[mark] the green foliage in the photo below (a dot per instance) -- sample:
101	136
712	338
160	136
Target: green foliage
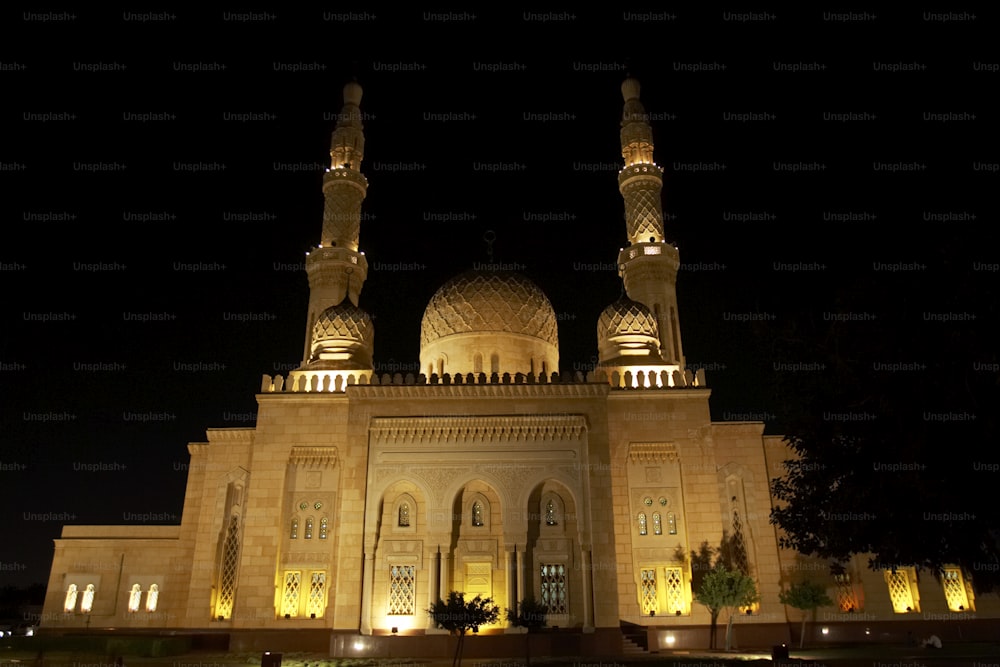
456	614
722	588
529	614
726	589
805	595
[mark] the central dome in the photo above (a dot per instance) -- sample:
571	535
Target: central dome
485	321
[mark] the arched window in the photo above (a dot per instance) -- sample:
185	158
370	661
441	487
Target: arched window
440	366
403	520
477	363
293	532
87	602
642	523
134	597
309	528
550	513
671	524
494	363
477	514
70	603
152	596
657	524
324	526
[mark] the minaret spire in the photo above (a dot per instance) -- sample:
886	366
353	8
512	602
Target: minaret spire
648	266
336	268
641	180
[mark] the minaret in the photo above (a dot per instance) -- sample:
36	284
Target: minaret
335	268
648	266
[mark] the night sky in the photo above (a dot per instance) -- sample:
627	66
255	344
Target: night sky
161	178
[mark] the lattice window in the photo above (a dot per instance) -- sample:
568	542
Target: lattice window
647	591
550	513
899	591
740	556
317	595
657	524
553	588
293	533
290	594
228	569
846	599
87	601
70	603
403	520
674	585
954	589
134	598
477	514
324	528
642	523
309	528
402	594
152	597
671	524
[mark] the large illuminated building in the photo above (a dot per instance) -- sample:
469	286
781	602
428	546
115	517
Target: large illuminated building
358	498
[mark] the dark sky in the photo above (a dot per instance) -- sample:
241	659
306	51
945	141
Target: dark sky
144	300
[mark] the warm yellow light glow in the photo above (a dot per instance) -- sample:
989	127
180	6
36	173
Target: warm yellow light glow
87	602
70	603
825	631
152	596
671	640
134	596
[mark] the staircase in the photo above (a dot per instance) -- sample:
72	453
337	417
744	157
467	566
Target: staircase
634	639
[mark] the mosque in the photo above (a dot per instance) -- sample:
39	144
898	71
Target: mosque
358	499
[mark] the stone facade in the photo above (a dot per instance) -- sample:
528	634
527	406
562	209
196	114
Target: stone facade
357	500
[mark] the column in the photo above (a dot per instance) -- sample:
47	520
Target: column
367	584
445	579
588	591
432	584
510	570
519	566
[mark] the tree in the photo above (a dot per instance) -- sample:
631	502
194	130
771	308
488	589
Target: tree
458	615
807	596
722	588
529	614
888	420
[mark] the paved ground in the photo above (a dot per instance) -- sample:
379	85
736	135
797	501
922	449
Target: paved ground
954	655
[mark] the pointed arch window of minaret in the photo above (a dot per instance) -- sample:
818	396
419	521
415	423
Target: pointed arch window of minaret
671	523
152	597
404	515
642	523
740	555
309	528
324	527
657	524
70	603
494	363
228	568
440	369
550	513
293	532
477	513
134	596
87	602
675	334
477	363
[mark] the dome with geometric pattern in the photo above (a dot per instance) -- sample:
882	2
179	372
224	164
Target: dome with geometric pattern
489	301
482	315
627	328
343	337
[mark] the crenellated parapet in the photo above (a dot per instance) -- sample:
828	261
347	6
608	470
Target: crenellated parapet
625	379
